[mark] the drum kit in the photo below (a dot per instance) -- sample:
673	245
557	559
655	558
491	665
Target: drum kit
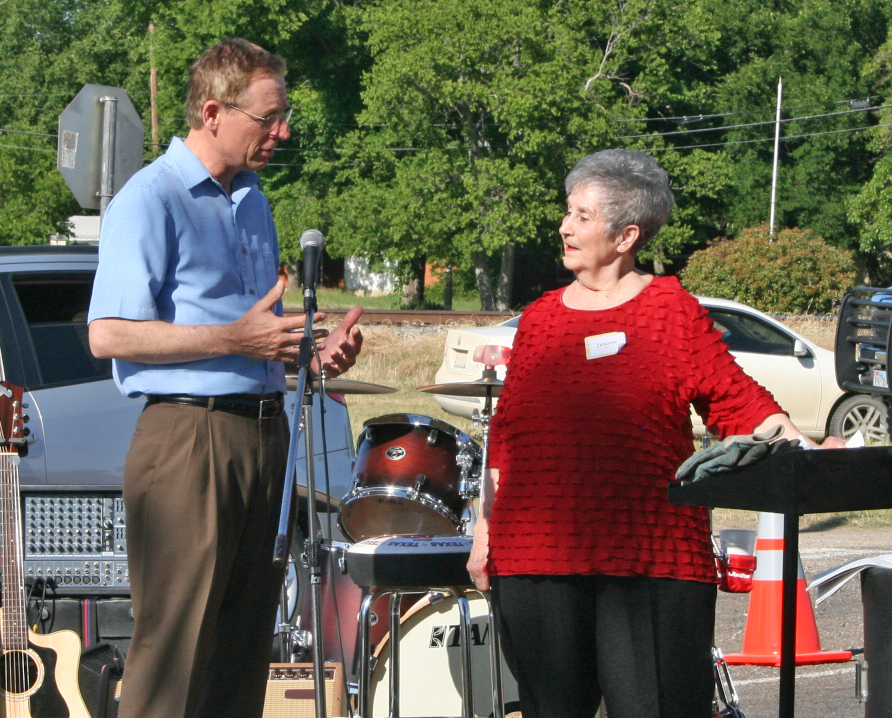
418	475
415	474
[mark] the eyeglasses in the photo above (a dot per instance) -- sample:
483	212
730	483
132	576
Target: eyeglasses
271	121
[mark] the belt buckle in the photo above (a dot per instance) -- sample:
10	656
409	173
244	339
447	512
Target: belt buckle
275	406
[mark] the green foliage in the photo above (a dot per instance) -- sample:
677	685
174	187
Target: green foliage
441	131
797	273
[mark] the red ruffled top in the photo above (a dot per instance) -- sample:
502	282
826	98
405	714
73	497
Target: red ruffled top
586	448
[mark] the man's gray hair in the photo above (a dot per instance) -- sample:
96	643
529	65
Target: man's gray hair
631	188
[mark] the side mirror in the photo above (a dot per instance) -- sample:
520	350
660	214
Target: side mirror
800	349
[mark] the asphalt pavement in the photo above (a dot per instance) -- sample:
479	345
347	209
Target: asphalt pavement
825	690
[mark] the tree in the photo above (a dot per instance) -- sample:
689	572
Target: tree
797	272
47	52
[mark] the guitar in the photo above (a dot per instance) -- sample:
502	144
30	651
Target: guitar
40	672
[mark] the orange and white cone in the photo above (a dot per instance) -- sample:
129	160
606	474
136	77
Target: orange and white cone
762	635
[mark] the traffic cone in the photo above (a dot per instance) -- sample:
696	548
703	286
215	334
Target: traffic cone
762	635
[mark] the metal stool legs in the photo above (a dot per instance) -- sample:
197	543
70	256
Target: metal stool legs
465	637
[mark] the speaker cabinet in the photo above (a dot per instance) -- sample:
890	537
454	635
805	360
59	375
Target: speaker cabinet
290	691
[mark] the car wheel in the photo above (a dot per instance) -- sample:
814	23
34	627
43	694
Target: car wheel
862	412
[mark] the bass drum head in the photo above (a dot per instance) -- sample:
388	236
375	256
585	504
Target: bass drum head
430	662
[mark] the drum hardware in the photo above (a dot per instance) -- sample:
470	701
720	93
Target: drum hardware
726	703
420	481
468	486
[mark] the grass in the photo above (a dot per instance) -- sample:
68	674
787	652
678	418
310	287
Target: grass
402	357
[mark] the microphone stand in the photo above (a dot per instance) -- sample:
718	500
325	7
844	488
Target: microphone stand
280	552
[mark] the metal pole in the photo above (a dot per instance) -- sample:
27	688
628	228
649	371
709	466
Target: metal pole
313	558
107	179
153	89
777	129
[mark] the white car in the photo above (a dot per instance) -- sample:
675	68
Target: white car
800	374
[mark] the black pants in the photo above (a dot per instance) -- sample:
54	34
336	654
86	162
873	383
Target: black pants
643	644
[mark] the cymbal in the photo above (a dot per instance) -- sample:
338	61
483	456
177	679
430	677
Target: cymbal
343	386
480	387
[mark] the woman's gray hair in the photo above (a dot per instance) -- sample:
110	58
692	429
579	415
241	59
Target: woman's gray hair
632	188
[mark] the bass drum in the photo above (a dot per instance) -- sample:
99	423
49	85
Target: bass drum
406	478
430	663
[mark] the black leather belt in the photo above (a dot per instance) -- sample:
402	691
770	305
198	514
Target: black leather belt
254	406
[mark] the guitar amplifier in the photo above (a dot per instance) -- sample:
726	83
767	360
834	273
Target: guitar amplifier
290	691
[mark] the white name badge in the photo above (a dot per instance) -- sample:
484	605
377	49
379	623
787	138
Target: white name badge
604	345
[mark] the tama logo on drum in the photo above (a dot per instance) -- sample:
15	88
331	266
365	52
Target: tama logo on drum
450	636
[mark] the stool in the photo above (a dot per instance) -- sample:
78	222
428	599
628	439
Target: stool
398	565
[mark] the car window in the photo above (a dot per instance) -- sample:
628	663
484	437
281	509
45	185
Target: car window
55	308
746	333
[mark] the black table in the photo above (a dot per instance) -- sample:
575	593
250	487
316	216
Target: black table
793	484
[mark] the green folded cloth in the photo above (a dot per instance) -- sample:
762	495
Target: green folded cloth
735	452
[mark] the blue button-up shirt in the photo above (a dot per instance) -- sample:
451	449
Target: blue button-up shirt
175	246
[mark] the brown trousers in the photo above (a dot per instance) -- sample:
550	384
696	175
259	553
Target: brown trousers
202	491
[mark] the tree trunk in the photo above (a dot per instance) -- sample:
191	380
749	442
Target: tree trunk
484	283
447	289
659	266
506	278
414	288
295	281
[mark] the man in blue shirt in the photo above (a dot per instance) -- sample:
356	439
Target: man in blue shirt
187	302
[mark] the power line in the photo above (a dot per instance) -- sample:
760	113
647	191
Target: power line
23	132
752	124
19	147
766	139
743	113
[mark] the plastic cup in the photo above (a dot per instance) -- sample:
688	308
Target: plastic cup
738	541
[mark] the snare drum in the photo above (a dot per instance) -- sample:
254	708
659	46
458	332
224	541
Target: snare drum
407	478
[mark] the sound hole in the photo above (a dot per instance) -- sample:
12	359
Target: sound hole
20	672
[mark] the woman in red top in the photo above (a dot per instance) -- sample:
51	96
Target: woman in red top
604	588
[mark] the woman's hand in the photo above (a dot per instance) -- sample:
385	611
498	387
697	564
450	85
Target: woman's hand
479	555
833	442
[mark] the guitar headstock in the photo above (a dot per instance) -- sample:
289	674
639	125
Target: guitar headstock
12	420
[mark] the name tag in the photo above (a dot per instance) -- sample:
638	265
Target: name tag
604	345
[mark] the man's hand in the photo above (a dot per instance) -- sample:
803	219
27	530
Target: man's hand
260	334
342	345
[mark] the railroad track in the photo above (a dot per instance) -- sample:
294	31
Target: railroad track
424	317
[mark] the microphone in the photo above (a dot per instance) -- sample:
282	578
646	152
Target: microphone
311	242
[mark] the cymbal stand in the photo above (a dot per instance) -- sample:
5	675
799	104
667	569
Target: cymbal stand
484	418
467	487
303	425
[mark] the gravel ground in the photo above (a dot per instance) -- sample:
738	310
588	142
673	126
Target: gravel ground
826	690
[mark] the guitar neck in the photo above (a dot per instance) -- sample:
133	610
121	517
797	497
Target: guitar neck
15	625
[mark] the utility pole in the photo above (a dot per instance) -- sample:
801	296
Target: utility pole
777	129
153	89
